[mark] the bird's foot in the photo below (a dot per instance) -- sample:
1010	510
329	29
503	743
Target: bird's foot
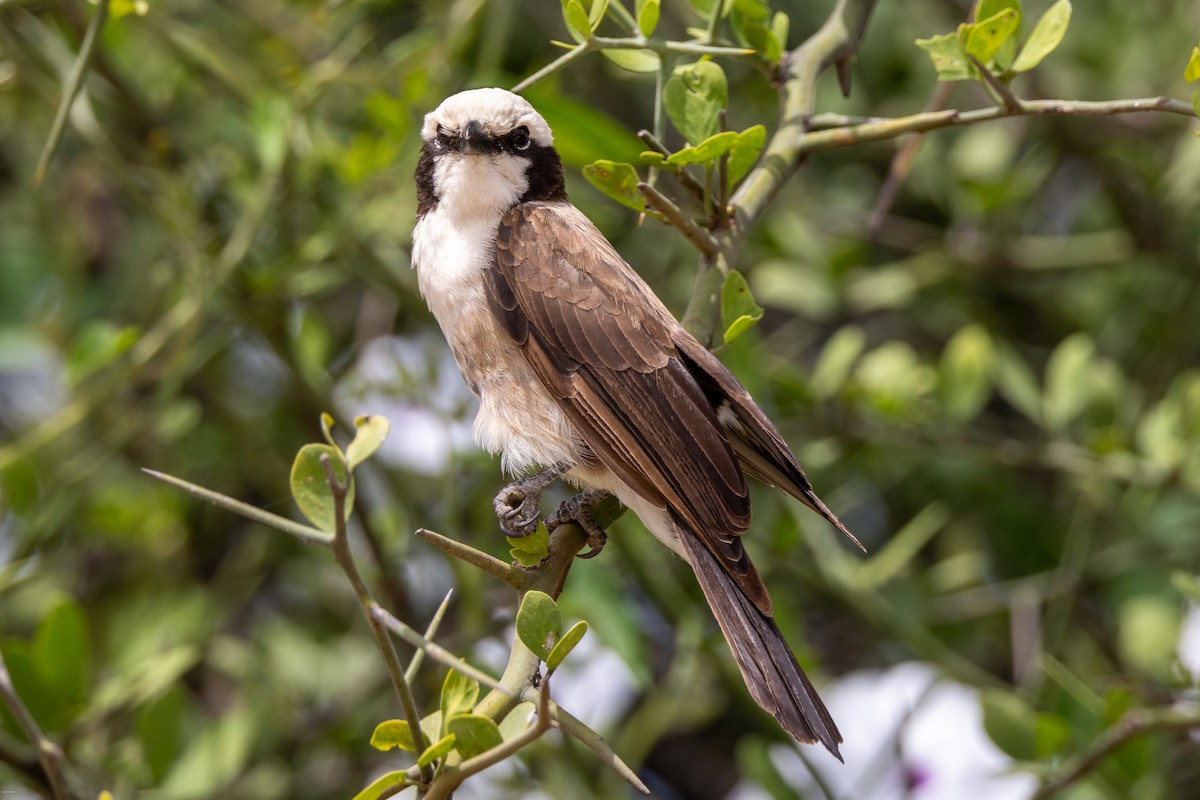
578	509
516	505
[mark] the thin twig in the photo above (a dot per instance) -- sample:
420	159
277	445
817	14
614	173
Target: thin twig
511	575
686	179
49	754
703	241
305	533
997	88
345	559
424	644
1133	724
71	89
831	139
414	663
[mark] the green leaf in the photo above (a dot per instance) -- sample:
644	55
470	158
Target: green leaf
566	644
1068	386
459	694
97	345
1046	37
396	779
213	758
964	375
596	13
393	733
531	550
780	24
761	39
617	180
1017	383
647	12
517	720
372	431
1009	721
310	487
1148	633
947	56
61	651
1051	733
159	726
989	8
986	37
577	20
439	749
739	312
474	734
539	623
706	152
837	359
327	430
744	152
1192	71
693	96
639	61
653	158
41	700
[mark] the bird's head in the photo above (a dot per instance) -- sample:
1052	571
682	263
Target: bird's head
484	151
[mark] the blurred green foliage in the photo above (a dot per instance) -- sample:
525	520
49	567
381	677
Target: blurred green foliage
997	389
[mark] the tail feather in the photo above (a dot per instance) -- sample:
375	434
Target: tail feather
774	678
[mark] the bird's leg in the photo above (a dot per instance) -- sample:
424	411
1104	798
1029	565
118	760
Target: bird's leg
578	509
517	504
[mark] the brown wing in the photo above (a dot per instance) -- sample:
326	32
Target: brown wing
604	346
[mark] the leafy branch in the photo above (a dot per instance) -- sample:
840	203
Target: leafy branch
464	737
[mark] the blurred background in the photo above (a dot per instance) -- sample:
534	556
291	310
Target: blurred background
993	382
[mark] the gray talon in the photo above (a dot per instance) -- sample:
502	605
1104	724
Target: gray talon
578	509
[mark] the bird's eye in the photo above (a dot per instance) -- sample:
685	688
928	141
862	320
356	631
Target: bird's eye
520	138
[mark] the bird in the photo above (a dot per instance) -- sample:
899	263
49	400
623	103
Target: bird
582	373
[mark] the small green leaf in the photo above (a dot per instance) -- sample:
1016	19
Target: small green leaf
990	8
310	487
1051	733
159	729
372	431
439	749
745	152
739	312
986	37
1068	384
327	430
617	180
947	56
639	61
60	651
964	375
566	644
779	26
474	734
577	20
531	550
517	721
392	733
647	16
693	96
596	13
396	779
1009	721
656	159
459	694
837	359
539	623
1046	37
1192	72
762	40
706	152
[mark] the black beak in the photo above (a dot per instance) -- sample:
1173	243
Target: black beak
474	141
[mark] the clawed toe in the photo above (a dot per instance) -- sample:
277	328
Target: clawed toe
578	509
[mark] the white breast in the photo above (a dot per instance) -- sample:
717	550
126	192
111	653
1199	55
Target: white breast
517	418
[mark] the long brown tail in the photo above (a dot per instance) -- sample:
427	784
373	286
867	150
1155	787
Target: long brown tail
774	678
